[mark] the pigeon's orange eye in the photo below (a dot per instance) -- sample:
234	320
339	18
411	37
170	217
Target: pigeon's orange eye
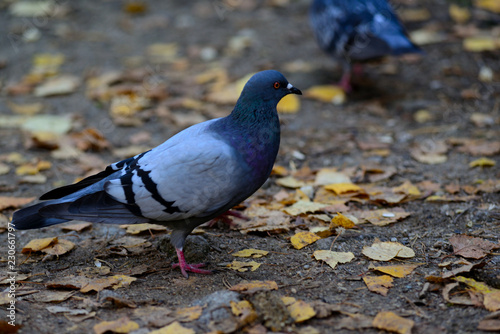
276	85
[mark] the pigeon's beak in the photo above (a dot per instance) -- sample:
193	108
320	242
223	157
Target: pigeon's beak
293	90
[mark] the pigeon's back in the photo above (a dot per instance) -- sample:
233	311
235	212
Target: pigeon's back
358	29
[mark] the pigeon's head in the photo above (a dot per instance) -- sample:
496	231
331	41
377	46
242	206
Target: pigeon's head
268	88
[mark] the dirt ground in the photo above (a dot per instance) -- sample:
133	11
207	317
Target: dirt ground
100	36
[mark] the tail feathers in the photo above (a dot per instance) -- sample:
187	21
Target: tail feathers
97	208
30	218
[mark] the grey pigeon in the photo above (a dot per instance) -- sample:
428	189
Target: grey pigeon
357	30
194	176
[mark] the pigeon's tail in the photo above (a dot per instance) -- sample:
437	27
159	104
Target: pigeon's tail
30	218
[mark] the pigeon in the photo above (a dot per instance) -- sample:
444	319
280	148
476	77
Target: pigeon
358	30
193	177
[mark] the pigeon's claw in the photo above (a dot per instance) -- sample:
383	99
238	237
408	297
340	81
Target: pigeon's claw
185	267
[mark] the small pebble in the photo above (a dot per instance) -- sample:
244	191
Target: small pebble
394	239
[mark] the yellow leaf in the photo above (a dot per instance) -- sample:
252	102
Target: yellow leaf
385	251
254	286
174	328
299	309
459	14
60	247
279	170
326	93
321	231
392	322
342	221
188	314
161	53
332	258
140	228
36	245
121	281
122	325
343	188
243	266
26	109
408	189
290	104
482	162
302	239
301	207
27	169
244	311
481	43
398	270
251	252
290	182
378	284
491	5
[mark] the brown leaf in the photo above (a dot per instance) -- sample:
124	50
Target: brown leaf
48	296
471	247
77	227
14	202
70	282
463	269
455	298
250	287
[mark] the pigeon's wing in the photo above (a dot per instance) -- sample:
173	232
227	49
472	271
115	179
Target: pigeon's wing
327	21
193	177
88	181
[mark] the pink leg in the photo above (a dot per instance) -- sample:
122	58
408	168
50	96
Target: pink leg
345	81
194	268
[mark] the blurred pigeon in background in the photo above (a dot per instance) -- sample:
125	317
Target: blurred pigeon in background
357	30
194	176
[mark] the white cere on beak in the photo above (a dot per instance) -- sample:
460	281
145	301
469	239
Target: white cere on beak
289	86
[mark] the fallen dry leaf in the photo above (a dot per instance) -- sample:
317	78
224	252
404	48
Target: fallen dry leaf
471	247
173	328
299	309
385	251
491	296
342	221
344	188
290	104
251	252
482	162
382	217
333	258
250	287
14	202
302	239
36	245
392	322
244	311
327	94
302	207
143	228
61	247
378	284
77	227
122	325
397	270
491	5
455	298
48	296
243	266
188	314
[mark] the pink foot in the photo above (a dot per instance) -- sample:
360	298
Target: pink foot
345	82
194	268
